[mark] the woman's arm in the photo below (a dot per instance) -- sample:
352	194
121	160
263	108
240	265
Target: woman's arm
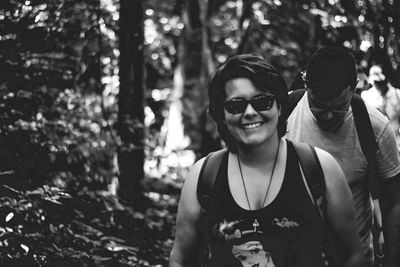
184	249
340	209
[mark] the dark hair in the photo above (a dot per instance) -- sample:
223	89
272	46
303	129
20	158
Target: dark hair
330	70
298	82
264	77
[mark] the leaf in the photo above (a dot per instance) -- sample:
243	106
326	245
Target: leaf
83	238
52	228
112	238
9	216
25	248
99	259
10	189
53	201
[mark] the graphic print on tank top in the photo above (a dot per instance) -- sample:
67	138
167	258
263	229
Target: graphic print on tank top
252	253
252	247
285	233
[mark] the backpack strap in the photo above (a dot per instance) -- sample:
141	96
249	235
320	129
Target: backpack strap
205	195
313	176
314	181
208	176
294	98
367	140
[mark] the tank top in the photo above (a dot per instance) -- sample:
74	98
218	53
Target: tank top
285	233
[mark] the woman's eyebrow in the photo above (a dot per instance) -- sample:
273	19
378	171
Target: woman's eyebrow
236	98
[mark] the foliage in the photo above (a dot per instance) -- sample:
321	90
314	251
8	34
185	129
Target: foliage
52	123
163	27
48	227
287	32
58	107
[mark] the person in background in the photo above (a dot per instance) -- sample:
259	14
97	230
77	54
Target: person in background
261	213
362	84
323	118
383	96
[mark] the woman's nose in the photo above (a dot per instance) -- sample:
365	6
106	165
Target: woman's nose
250	110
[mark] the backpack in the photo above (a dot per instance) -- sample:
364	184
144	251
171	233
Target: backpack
314	182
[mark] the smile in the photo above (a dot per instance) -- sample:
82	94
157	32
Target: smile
251	125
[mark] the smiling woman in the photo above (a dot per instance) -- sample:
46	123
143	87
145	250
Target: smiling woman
260	213
255	73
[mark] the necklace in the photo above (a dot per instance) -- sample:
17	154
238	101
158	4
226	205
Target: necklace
255	222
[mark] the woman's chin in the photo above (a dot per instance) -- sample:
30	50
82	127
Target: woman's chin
252	142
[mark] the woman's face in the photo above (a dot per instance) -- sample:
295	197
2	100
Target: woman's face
251	124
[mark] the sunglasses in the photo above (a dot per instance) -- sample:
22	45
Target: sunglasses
319	109
259	103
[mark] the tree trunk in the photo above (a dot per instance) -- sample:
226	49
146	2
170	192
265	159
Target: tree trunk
196	62
131	98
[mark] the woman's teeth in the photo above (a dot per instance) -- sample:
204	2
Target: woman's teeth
252	125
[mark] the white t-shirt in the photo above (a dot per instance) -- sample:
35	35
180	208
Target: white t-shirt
344	145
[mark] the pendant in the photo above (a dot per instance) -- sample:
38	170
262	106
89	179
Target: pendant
255	225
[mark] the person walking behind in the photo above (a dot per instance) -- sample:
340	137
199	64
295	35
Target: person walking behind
260	212
384	97
324	118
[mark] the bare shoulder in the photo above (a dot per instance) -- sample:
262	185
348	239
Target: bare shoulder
194	172
189	190
190	184
326	159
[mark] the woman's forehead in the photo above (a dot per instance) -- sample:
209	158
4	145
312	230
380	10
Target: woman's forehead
243	86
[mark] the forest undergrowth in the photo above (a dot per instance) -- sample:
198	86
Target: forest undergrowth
50	227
